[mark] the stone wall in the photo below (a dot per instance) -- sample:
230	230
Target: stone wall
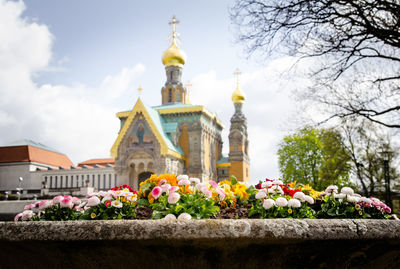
271	243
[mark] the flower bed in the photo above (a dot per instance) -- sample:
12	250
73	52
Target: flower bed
170	197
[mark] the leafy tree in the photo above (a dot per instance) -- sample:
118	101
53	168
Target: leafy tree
365	143
355	45
315	157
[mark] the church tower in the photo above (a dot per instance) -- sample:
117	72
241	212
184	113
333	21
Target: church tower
173	59
238	138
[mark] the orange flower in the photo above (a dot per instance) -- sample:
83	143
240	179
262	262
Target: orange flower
150	198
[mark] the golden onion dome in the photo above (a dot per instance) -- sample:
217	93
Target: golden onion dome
238	96
174	56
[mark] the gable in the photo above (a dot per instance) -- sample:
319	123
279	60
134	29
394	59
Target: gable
151	123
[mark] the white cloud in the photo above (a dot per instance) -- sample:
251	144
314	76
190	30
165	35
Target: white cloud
78	120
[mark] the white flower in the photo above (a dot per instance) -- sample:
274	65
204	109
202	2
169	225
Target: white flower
181	177
184	216
276	189
131	198
165	187
194	180
352	199
261	195
102	193
347	190
299	195
169	217
93	201
294	203
281	201
27	215
277	182
365	200
266	184
106	198
116	204
173	198
331	188
357	195
268	203
199	186
184	182
339	195
309	199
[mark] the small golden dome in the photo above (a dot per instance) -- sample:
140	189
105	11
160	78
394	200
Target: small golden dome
174	56
238	96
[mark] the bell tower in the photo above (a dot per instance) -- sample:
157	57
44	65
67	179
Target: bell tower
238	138
173	59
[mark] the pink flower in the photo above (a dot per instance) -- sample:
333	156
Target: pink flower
165	187
207	192
388	210
67	202
107	203
44	204
184	216
173	198
29	207
76	200
156	192
199	186
173	189
17	217
184	182
162	182
67	196
37	204
213	184
93	201
179	178
57	199
221	194
27	215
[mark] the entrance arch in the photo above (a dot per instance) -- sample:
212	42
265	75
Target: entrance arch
143	176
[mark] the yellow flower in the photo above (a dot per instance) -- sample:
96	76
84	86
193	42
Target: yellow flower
357	206
290	211
292	184
360	212
93	215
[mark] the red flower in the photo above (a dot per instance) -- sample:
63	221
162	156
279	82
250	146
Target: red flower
288	191
124	187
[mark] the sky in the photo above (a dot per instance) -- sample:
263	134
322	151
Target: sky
66	68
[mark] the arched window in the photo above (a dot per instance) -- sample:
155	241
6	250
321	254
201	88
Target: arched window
169	95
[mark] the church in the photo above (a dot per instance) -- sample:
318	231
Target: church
178	137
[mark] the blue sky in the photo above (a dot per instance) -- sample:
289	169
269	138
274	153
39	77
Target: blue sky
66	68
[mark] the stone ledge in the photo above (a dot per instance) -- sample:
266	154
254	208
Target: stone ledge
245	229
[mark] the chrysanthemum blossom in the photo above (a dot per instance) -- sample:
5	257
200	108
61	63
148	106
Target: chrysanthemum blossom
281	201
268	203
116	204
261	195
294	203
184	182
299	195
266	184
173	198
57	199
194	180
365	200
156	192
173	189
76	201
347	191
162	182
352	199
44	204
93	201
29	207
331	188
169	217
17	217
207	192
67	203
213	184
221	193
184	216
199	186
27	215
181	177
309	199
339	195
277	182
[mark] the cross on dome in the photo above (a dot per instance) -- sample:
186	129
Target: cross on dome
175	34
237	73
